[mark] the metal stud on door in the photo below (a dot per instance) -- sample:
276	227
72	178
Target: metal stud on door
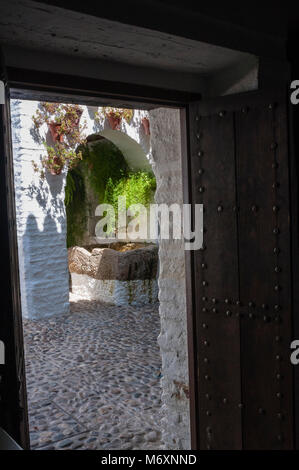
239	168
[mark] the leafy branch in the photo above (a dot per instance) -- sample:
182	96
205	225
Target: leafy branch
64	124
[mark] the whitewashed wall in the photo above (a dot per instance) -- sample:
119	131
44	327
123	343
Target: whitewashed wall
41	221
130	138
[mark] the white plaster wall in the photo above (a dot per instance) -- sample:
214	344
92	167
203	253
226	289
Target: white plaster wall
41	223
166	155
136	156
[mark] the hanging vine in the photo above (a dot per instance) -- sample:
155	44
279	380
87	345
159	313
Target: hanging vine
75	204
114	115
67	132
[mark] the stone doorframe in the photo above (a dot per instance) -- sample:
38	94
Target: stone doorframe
168	145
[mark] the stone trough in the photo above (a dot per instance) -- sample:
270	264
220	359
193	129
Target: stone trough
121	274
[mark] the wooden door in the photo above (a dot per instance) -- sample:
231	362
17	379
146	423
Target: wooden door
242	276
13	403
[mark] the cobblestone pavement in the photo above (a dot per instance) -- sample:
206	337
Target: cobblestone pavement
93	378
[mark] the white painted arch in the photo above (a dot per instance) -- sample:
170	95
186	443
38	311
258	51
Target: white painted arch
132	151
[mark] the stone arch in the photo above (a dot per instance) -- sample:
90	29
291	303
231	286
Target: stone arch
134	153
136	159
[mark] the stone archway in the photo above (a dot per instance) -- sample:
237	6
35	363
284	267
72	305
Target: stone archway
134	153
122	272
128	151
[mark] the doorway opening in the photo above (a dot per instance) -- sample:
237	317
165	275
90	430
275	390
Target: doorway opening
96	376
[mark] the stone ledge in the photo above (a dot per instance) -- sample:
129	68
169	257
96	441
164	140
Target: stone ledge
106	263
111	291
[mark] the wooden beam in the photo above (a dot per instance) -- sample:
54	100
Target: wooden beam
185	21
34	81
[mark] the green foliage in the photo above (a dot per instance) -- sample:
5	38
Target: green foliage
63	121
138	188
70	188
101	162
75	202
67	115
104	169
117	113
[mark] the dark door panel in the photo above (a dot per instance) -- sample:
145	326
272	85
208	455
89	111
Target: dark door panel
13	402
213	184
262	162
239	168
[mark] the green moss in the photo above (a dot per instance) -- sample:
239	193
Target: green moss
101	162
75	203
138	188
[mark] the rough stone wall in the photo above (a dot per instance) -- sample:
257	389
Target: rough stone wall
120	278
41	222
166	154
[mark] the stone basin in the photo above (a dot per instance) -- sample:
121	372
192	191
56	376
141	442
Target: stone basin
121	274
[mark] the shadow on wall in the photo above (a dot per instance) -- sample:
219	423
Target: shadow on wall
45	275
47	192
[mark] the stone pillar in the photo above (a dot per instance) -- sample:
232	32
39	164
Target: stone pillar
41	221
166	155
